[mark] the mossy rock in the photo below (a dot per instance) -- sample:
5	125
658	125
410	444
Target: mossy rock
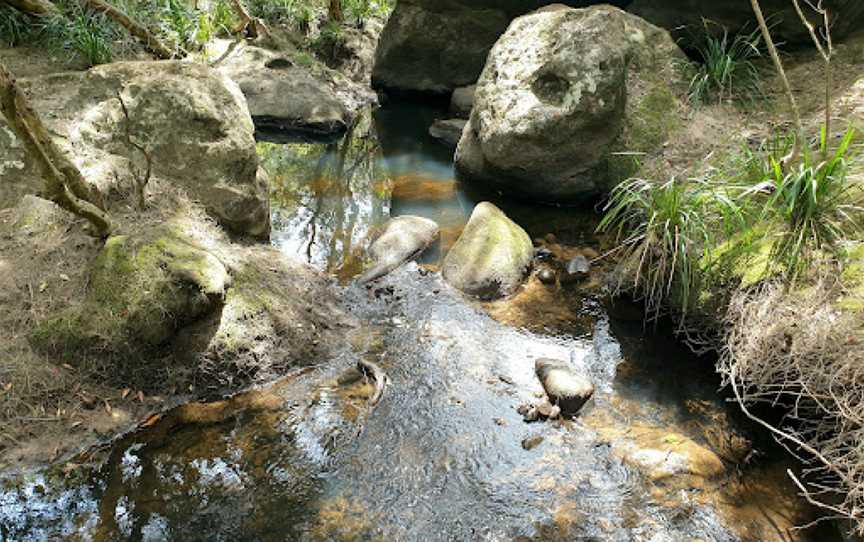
142	289
491	257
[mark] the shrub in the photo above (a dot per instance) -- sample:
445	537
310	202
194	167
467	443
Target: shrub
663	231
815	204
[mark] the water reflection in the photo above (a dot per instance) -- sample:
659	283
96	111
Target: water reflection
328	198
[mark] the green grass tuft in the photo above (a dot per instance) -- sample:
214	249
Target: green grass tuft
725	70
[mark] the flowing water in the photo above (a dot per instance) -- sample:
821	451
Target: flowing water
440	458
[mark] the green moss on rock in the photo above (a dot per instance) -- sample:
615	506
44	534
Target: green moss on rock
142	288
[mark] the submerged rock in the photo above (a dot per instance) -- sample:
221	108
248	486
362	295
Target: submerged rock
448	131
402	239
578	268
565	387
530	443
193	121
462	101
491	257
551	106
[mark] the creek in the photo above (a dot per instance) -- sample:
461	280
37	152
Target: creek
656	455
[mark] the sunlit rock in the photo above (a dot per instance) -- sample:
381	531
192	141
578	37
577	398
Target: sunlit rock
193	122
402	239
563	90
491	257
566	388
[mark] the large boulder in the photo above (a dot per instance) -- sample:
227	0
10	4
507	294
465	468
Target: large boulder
282	94
562	92
491	257
193	121
737	15
438	45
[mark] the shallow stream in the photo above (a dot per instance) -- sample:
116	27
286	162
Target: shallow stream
656	454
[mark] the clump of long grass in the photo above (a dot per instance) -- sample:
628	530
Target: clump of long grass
725	68
815	204
664	230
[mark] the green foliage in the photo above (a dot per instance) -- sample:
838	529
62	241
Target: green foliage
815	204
725	68
664	230
92	36
14	26
329	40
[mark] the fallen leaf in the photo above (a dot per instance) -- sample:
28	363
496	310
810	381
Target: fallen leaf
140	396
107	406
64	277
69	367
151	420
124	393
76	424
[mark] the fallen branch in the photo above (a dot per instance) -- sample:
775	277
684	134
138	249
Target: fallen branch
151	42
252	26
826	50
141	180
33	7
64	183
787	88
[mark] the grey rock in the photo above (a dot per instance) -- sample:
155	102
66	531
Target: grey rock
551	105
193	121
283	95
462	101
402	239
563	385
448	131
439	45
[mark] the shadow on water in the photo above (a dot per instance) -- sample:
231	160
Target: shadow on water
655	456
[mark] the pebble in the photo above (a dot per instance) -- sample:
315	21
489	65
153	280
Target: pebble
531	442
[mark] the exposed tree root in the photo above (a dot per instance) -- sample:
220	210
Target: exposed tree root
799	354
64	183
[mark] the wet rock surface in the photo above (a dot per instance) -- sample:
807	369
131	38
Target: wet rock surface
402	239
491	257
564	386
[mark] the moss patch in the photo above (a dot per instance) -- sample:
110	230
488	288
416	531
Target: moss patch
141	289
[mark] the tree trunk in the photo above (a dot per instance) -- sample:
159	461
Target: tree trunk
151	42
334	11
64	183
33	7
